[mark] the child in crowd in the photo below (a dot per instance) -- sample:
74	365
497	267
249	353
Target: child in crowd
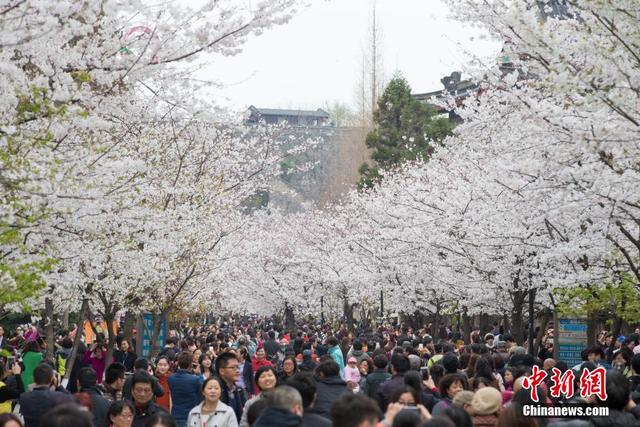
352	374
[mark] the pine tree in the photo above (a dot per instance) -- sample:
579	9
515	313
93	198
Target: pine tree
406	129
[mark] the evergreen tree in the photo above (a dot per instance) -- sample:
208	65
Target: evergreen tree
406	130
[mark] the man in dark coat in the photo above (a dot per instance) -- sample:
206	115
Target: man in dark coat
142	393
227	367
404	336
170	349
271	347
306	386
114	379
399	365
377	377
142	365
357	352
284	408
88	383
34	404
329	387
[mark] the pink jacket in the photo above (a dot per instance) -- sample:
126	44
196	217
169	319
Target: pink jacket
98	365
30	335
351	374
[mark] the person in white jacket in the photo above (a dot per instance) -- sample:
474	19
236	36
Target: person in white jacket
212	412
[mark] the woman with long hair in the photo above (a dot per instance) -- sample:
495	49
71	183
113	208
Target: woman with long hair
484	369
471	365
206	368
125	355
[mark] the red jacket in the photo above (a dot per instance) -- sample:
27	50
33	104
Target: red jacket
257	364
165	399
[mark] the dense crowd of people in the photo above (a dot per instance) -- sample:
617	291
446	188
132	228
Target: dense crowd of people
250	372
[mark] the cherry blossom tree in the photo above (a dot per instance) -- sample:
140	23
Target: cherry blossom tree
118	170
535	191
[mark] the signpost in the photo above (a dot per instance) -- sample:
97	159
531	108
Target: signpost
145	329
570	338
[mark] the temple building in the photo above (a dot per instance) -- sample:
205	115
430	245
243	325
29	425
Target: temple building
271	116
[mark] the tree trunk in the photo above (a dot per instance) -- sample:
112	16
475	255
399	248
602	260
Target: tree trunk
365	315
484	324
154	348
50	328
420	319
348	314
129	324
290	320
436	318
531	325
111	343
505	323
65	319
466	326
71	360
517	316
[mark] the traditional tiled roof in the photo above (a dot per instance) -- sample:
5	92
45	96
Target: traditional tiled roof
293	113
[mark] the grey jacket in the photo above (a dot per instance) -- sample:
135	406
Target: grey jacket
222	417
244	422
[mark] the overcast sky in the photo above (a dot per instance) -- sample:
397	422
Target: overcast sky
315	58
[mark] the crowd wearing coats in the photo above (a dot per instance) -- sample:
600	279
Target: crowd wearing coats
262	374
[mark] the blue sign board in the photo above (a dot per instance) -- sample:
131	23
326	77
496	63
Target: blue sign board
572	339
147	332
